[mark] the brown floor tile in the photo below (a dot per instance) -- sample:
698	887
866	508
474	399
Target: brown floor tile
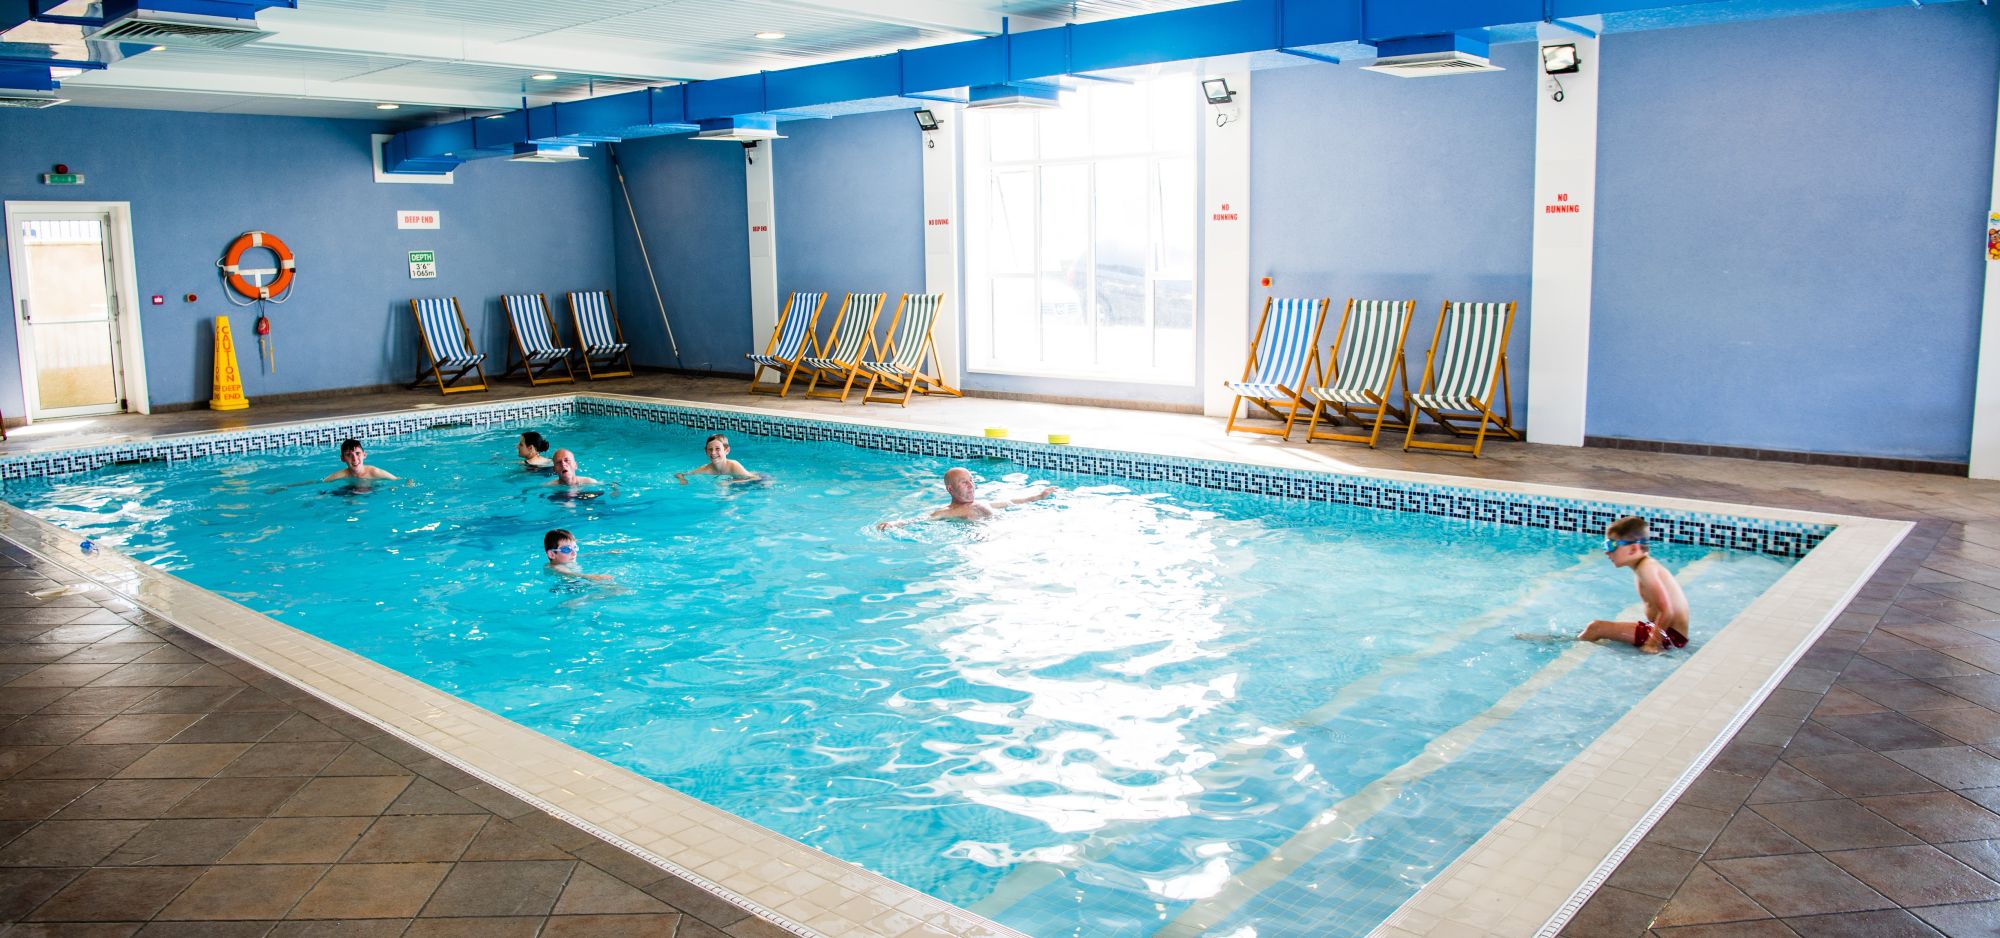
138	728
372	890
1970	920
409	839
49	729
35	799
1860	774
592	891
1977	726
1799	884
231	728
1982	855
497	801
1705	897
237	797
611	926
21	890
1937	817
356	796
501	839
1954	767
1843	701
1720	791
527	927
182	842
1748	834
1834	825
1785	783
68	843
1884	731
283	759
247	700
1907	696
225	893
427	797
1886	923
139	798
206	930
184	699
620	864
87	762
351	928
40	653
1982	689
299	728
145	675
98	700
1762	928
700	903
499	888
63	675
1687	827
1920	875
1815	739
178	760
298	840
116	895
361	760
28	699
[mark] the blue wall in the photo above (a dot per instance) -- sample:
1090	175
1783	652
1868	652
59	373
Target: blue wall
689	196
850	204
1788	248
1374	186
196	181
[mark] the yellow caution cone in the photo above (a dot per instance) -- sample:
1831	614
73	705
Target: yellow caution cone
228	393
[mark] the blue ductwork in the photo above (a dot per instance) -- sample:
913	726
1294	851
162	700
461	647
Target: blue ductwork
910	77
85	48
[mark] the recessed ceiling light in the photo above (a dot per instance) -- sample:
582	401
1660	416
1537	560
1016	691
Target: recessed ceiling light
544	76
387	107
770	34
159	48
495	117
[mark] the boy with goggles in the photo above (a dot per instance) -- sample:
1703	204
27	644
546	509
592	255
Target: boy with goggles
1666	622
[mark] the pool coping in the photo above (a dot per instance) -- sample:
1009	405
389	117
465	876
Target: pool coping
1525	876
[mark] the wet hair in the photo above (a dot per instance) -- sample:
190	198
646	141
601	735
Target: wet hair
535	441
1628	528
719	436
554	539
349	445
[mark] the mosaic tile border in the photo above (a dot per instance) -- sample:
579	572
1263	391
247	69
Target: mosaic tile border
1776	537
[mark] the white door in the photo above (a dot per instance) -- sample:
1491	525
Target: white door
66	311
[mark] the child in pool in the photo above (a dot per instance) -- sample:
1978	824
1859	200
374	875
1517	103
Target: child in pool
356	457
560	547
719	464
1666	622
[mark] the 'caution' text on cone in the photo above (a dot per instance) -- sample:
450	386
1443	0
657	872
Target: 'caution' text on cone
228	382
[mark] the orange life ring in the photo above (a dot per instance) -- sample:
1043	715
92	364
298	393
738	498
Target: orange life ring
258	239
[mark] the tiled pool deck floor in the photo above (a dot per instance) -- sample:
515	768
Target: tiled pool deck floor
151	784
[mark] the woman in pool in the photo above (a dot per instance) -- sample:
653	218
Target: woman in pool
532	447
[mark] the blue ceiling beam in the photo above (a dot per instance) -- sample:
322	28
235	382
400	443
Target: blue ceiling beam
1192	33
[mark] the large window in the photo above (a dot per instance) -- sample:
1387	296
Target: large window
1080	227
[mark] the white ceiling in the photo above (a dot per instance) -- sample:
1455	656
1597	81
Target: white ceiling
447	58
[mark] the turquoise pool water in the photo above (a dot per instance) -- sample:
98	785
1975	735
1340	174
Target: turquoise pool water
1131	709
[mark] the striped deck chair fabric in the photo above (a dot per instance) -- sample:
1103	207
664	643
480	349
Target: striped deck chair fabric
1466	369
853	330
535	340
903	367
605	353
446	344
795	328
1284	361
1368	358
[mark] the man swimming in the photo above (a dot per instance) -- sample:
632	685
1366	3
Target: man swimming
965	504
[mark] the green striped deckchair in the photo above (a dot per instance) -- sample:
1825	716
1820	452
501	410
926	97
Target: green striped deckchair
1467	364
787	347
853	333
902	358
1284	361
1367	360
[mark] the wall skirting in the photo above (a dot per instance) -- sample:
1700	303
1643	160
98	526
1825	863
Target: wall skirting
1892	464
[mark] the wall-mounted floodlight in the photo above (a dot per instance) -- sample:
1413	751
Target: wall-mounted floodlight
1216	90
1560	60
926	121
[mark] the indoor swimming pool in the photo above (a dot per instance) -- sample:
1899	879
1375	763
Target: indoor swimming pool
1138	707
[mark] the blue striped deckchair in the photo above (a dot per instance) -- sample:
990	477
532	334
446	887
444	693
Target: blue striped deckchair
1284	361
535	340
788	343
447	346
853	334
1367	359
605	354
909	346
1467	363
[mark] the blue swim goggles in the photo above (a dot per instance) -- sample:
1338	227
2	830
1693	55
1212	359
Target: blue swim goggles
1611	544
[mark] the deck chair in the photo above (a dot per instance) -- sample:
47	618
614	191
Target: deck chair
535	340
902	364
1367	359
605	354
1284	361
788	343
853	334
1468	358
448	346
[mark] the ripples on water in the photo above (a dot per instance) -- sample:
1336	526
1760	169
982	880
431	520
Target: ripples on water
1078	718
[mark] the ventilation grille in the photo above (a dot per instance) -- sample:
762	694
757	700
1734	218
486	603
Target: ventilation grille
151	26
16	99
1430	64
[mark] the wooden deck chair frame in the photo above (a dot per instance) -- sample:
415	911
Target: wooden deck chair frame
606	364
1310	374
1483	414
1376	419
545	373
809	341
917	382
846	370
444	379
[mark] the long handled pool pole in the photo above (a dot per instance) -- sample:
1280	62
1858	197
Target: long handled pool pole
643	255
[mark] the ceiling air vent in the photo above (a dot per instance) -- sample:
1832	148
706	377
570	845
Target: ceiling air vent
1429	56
745	128
171	28
1015	94
29	99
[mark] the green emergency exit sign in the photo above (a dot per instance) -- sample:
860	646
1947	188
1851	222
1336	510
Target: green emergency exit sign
62	179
